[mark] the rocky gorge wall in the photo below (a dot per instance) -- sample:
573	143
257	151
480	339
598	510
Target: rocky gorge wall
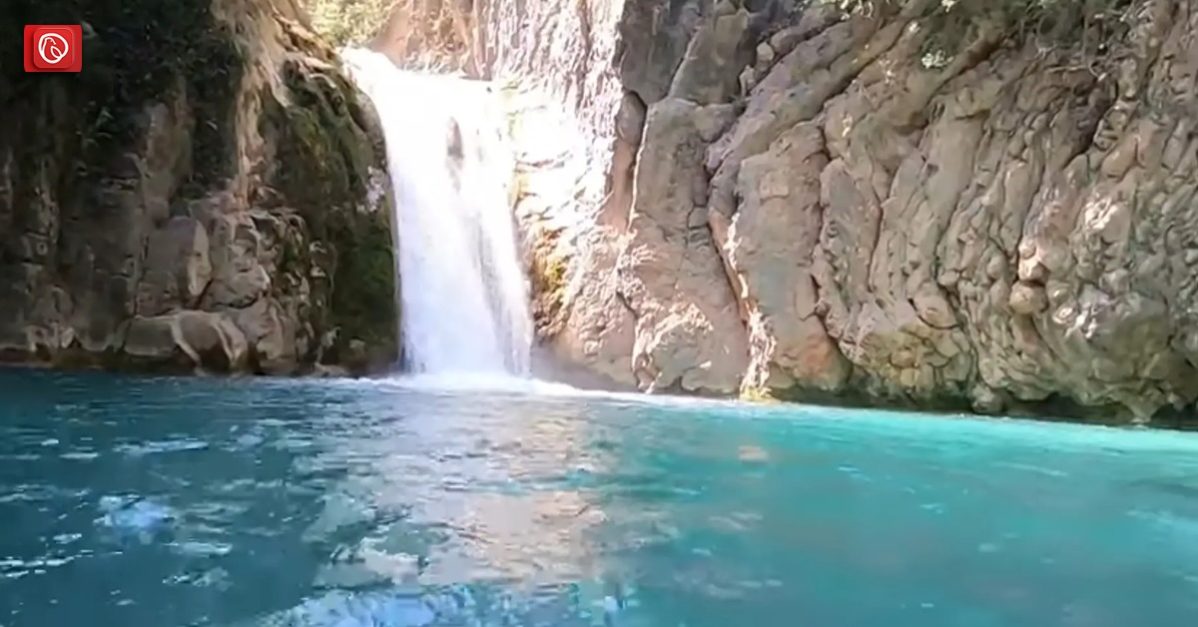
209	193
833	201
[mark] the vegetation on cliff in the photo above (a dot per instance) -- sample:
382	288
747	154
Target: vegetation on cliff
202	194
416	33
349	22
951	25
135	51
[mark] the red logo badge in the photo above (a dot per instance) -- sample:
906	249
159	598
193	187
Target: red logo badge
53	48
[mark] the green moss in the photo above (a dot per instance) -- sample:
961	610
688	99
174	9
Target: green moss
757	395
363	304
323	160
323	152
291	257
553	274
311	176
548	276
349	22
135	52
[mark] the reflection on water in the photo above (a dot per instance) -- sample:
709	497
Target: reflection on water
323	503
488	499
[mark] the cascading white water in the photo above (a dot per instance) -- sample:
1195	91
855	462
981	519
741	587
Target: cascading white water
463	294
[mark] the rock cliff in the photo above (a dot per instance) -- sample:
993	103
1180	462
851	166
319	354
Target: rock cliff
209	193
970	204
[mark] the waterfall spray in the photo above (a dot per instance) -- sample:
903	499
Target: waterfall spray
464	298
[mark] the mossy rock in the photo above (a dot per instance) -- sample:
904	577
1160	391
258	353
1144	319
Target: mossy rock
328	154
759	395
135	51
549	273
151	129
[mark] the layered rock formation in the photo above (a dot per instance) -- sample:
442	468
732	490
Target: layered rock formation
209	193
983	205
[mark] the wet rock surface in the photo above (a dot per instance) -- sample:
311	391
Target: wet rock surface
211	196
1002	224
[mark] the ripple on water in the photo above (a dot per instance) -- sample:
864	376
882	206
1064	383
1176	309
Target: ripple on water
582	605
80	456
348	609
161	446
359	503
40	493
134	515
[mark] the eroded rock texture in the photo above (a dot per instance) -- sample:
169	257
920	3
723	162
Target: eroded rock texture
209	193
820	204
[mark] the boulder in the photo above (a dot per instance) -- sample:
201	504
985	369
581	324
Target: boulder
188	340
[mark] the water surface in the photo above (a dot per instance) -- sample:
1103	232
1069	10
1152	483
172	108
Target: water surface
159	502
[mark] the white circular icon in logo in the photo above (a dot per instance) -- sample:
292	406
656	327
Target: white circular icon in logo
53	48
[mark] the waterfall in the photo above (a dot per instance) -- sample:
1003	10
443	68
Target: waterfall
463	295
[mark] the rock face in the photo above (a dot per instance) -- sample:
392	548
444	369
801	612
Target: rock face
211	195
896	203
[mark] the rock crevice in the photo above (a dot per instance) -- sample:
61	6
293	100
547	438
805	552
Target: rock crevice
981	206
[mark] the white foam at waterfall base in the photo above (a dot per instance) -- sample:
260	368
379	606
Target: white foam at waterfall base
464	300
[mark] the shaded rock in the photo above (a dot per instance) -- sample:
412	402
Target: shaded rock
239	279
653	39
271	336
185	341
178	267
211	177
769	251
720	47
688	329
